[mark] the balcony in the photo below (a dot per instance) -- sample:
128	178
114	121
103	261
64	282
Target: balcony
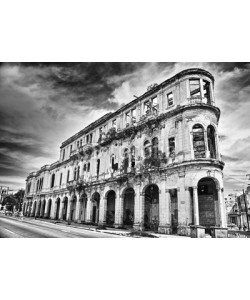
197	100
86	149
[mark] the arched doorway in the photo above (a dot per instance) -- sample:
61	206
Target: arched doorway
43	208
128	207
38	212
57	208
208	202
83	208
110	216
151	212
65	208
211	141
49	209
95	207
34	209
73	208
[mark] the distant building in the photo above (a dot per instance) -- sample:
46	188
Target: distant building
239	214
154	164
4	191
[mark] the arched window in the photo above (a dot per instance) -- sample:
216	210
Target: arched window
147	149
126	160
114	164
211	141
98	166
132	156
52	180
198	141
155	150
61	179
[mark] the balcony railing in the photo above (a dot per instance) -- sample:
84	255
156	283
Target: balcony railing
197	100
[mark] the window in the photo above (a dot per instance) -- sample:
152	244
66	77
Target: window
90	138
77	144
68	176
147	149
85	167
171	145
155	150
147	107
127	118
211	141
63	155
81	143
154	102
133	113
170	99
198	141
113	164
71	148
195	88
60	179
52	180
88	166
97	167
75	173
126	160
87	139
114	123
206	91
133	156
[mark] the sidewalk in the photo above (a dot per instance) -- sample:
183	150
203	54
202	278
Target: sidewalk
109	230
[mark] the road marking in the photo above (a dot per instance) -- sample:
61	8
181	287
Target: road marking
9	231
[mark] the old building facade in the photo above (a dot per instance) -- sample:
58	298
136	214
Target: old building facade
154	164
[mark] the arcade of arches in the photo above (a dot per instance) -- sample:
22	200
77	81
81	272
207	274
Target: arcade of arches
152	208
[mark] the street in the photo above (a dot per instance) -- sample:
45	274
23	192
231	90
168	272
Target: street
18	228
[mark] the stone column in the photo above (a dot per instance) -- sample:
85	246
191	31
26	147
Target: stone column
103	211
61	210
89	210
78	210
139	209
119	211
70	203
196	206
164	210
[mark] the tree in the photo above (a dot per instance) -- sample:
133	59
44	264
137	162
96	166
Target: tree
19	199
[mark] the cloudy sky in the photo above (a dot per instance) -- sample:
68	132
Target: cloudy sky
42	104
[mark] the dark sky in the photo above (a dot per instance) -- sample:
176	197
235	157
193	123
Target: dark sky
42	104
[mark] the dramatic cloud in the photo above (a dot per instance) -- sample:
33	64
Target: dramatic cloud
42	104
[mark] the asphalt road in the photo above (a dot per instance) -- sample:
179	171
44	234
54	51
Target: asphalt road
18	228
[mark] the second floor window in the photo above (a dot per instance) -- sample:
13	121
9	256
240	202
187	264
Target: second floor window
171	146
68	176
170	99
61	179
195	90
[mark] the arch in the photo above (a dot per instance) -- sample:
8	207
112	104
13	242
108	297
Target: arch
38	212
198	141
43	208
34	209
151	210
95	207
65	207
73	208
211	142
110	214
128	207
49	208
58	200
208	202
